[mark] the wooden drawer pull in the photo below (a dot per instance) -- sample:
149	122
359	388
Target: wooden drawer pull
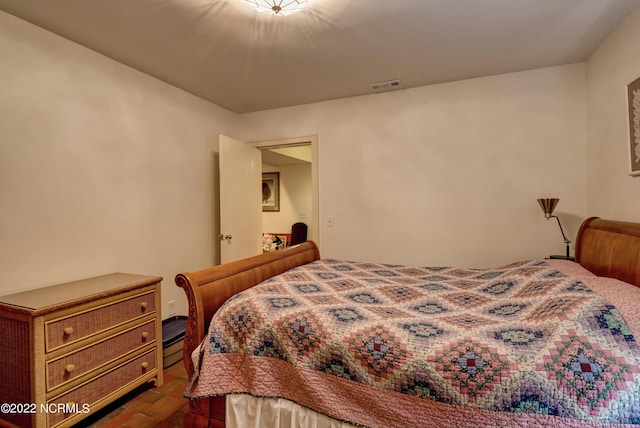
68	331
69	368
145	334
143	305
144	364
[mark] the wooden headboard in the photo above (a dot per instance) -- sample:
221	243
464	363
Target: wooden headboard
208	289
610	248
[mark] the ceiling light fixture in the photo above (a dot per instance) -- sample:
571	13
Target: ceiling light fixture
278	7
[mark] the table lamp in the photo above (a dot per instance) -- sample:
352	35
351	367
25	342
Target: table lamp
548	205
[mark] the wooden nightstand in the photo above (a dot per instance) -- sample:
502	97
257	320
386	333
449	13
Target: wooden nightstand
71	349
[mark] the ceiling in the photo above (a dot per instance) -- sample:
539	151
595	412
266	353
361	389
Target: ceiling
293	154
226	52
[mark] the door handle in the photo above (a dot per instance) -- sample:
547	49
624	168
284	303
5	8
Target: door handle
223	237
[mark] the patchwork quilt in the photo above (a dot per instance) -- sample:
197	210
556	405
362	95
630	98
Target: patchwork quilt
386	345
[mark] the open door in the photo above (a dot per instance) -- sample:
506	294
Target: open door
240	200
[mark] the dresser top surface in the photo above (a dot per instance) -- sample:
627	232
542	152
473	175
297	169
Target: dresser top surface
77	290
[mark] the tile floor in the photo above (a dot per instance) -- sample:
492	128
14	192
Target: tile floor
161	407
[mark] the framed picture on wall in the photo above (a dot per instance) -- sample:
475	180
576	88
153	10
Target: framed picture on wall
633	100
270	191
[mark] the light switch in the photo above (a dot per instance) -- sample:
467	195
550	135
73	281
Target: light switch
331	221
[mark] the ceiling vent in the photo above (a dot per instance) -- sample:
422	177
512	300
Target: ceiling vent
385	86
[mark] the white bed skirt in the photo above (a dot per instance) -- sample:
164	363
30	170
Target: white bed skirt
246	411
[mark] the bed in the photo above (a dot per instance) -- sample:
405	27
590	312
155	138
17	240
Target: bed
424	346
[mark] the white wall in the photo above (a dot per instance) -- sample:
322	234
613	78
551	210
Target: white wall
102	168
449	173
616	63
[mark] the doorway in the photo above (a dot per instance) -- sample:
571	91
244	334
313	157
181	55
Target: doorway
238	225
293	158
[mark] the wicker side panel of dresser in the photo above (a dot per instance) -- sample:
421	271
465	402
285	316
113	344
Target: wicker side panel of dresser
15	367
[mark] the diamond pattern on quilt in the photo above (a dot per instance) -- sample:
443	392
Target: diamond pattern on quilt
466	300
327	276
553	274
557	307
532	404
520	263
436	278
520	337
303	332
242	324
498	288
399	293
536	288
507	310
435	268
471	367
485	276
405	280
269	349
365	298
297	276
308	288
344	284
367	266
433	286
343	267
528	271
378	350
412	271
376	281
387	273
336	367
465	283
578	286
423	330
588	374
461	273
429	308
422	389
420	384
609	319
468	321
282	302
323	299
271	288
360	274
346	315
217	346
532	399
387	312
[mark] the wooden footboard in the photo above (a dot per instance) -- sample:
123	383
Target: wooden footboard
208	289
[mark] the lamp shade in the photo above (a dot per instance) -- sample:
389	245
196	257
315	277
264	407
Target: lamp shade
548	205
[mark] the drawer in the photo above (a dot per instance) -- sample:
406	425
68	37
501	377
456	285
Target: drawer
108	386
74	365
69	329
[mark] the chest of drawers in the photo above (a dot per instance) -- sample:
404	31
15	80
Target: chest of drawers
71	349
